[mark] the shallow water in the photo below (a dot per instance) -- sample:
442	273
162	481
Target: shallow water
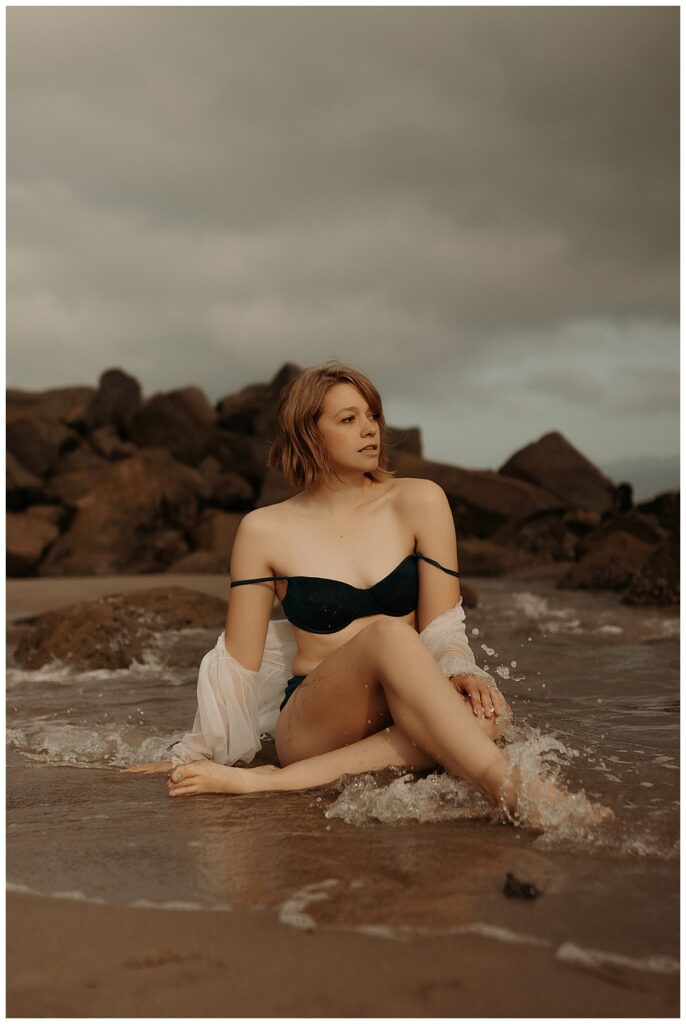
595	688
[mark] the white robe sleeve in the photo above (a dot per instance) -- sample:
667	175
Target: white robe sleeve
237	705
446	638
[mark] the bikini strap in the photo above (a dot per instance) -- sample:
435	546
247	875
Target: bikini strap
260	579
438	564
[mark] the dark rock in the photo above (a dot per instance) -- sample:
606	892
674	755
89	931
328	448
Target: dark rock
666	508
135	519
470	597
623	497
114	631
404	440
610	565
201	562
638	524
71	487
252	410
63	405
27	539
54	514
176	422
107	442
114	404
22	487
581	521
37	442
481	500
513	887
216	531
249	411
484	558
197	404
557	466
229	490
246	456
79	460
547	537
275	488
658	581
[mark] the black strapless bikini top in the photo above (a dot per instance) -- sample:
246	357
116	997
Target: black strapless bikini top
320	605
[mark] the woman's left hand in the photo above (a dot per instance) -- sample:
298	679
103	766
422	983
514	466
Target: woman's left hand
485	697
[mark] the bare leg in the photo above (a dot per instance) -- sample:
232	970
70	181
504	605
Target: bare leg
433	721
382	750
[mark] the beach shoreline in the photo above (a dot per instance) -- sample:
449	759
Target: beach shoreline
72	958
69	956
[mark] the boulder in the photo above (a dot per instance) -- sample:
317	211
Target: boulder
547	537
117	630
37	442
485	558
481	500
201	562
555	465
27	539
666	508
63	405
114	404
275	488
408	439
22	487
639	524
610	564
135	519
71	487
174	422
54	514
246	456
81	459
197	404
658	581
230	490
107	442
252	410
215	531
249	411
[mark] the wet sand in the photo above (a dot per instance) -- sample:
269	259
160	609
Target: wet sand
74	959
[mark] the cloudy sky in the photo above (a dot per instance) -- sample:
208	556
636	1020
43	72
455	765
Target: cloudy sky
476	206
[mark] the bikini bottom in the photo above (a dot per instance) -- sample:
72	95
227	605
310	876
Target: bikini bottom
291	687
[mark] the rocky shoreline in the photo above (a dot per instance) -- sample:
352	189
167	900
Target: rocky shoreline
103	480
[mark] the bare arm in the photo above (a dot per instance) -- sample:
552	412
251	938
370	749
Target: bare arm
250	606
439	592
248	613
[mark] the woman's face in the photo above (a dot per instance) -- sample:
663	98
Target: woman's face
347	425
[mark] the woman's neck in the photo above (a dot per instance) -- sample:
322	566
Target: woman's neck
338	497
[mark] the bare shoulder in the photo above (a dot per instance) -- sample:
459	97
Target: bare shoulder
268	527
255	541
417	494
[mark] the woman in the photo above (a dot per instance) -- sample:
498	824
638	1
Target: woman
382	674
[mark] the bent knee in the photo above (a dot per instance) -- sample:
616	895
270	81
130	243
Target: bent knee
387	632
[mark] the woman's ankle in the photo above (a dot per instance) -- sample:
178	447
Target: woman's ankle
501	783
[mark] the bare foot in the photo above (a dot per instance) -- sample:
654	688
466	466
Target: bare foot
208	777
150	767
542	804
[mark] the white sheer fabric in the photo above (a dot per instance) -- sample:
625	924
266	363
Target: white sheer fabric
236	705
446	638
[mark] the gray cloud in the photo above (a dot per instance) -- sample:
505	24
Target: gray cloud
464	202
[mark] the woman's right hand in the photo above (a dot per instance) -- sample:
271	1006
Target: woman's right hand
150	767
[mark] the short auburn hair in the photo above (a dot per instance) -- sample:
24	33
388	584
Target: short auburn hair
298	448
